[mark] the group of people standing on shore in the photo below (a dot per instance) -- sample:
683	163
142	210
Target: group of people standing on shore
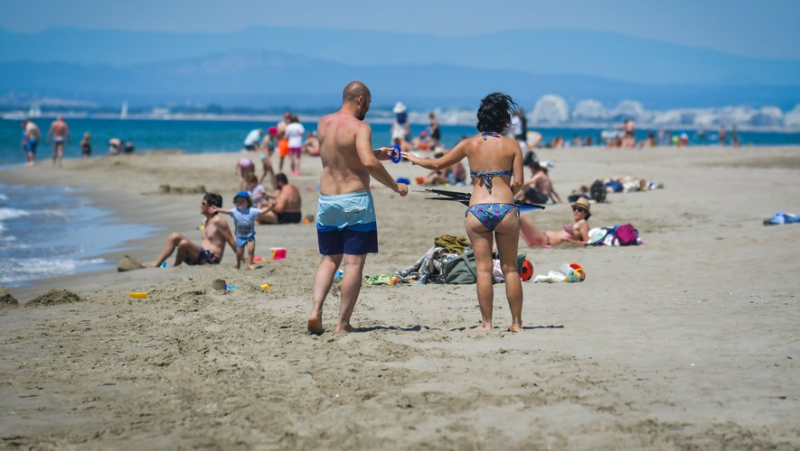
58	134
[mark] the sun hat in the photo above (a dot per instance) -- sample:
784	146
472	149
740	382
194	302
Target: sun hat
245	162
399	108
582	203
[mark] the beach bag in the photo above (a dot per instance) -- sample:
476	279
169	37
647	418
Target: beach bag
626	235
460	270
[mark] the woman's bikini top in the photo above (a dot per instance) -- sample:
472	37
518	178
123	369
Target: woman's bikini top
487	175
570	229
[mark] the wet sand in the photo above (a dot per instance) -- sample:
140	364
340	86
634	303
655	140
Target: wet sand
690	341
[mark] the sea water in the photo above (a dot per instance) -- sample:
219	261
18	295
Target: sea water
228	136
48	231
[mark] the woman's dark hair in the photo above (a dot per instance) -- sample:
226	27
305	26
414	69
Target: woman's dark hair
495	111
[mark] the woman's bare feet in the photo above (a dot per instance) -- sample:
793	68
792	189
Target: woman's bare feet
483	327
515	328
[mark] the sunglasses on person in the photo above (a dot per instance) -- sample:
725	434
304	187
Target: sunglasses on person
579	210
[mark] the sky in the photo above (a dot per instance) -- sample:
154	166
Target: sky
755	28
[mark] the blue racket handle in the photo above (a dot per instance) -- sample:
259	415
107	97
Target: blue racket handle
397	154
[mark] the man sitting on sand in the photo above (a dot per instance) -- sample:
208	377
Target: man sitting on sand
215	234
285	208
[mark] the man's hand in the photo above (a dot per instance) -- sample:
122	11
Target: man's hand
383	153
402	189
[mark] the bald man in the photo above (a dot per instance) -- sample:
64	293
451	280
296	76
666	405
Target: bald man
346	223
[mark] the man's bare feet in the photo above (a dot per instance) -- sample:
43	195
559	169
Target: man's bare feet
315	326
344	330
515	328
482	328
251	267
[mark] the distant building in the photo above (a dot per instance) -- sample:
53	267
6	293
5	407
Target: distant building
550	109
589	110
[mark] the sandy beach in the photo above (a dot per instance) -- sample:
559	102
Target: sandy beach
691	341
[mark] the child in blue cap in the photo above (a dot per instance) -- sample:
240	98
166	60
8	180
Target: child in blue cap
244	218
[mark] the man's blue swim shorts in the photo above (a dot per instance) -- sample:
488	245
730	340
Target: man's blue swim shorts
346	224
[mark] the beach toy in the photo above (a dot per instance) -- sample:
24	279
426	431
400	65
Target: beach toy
338	275
265	286
257	259
139	295
403	180
230	287
573	272
397	154
420	180
164	265
219	284
278	253
527	271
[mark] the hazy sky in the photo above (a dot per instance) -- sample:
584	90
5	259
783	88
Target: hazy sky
758	28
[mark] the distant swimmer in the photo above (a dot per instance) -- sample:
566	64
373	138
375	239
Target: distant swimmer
346	224
59	133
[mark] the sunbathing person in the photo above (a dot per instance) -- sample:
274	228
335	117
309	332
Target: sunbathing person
576	232
539	188
285	209
496	163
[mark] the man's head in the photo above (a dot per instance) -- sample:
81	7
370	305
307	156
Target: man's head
281	180
357	96
210	200
60	118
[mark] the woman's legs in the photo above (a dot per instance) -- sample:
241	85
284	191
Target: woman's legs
531	234
507	235
482	244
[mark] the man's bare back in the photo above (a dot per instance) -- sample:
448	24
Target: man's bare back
342	168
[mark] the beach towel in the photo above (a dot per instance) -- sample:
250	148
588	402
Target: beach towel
454	244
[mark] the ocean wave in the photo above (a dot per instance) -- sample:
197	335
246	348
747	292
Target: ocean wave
3	198
18	270
12	213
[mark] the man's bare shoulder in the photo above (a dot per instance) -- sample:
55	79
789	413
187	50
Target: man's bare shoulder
219	220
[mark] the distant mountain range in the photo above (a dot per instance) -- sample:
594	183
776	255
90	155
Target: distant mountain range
310	67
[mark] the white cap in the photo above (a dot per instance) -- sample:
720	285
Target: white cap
399	108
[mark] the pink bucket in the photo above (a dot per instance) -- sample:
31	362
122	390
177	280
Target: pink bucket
278	253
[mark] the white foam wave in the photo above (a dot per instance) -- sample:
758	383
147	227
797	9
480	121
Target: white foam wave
15	270
3	198
11	213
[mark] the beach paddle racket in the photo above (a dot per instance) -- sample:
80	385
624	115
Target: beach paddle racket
397	154
464	198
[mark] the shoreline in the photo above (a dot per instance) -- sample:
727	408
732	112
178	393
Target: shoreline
689	341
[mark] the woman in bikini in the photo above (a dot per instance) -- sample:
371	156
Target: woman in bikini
575	232
496	163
